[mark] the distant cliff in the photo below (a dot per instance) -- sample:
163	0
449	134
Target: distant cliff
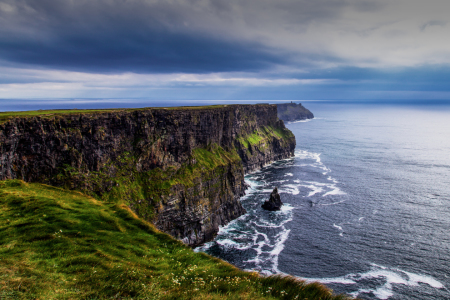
289	112
180	168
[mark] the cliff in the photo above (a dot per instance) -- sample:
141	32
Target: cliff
181	168
289	112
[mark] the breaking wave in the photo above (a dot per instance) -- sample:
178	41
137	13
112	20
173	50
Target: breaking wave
383	280
255	240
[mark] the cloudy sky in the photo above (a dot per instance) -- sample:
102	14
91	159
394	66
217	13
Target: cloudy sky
225	49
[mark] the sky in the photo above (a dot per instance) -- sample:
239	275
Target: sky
225	49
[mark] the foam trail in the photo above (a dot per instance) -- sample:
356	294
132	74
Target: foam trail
289	189
260	236
334	203
279	246
415	279
339	228
300	121
335	191
383	289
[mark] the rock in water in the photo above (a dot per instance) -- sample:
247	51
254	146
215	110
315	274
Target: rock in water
274	202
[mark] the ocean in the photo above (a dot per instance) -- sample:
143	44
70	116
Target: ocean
366	198
366	204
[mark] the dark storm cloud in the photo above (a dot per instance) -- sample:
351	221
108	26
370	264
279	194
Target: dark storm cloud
107	36
156	52
142	36
322	48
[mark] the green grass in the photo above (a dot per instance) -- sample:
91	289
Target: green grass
60	244
129	186
265	134
5	116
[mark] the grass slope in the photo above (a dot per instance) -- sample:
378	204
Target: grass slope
60	244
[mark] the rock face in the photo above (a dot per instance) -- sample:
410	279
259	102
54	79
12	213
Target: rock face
289	112
181	168
274	202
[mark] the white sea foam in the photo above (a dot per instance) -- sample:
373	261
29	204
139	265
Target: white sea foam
290	189
300	121
263	236
279	246
287	208
253	184
230	226
314	187
383	290
305	155
266	261
341	233
227	243
335	191
339	280
337	226
415	279
253	187
280	181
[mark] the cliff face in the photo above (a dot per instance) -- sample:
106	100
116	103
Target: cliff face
289	112
182	169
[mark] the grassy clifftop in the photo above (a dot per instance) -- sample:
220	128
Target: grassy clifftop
59	244
5	116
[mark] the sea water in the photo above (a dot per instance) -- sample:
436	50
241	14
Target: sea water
366	204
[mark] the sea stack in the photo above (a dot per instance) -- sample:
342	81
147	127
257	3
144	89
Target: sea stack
274	202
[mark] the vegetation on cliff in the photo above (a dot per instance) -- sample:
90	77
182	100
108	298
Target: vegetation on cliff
132	187
265	134
60	244
180	168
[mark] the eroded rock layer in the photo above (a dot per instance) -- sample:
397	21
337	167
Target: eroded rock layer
181	168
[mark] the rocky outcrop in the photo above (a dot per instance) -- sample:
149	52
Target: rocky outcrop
289	112
274	203
180	168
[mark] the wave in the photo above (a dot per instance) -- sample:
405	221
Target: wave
341	231
259	235
303	154
324	188
300	121
382	289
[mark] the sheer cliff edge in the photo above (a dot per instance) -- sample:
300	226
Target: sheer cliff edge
181	168
290	112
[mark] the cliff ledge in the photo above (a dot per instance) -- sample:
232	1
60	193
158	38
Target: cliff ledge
289	112
180	168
